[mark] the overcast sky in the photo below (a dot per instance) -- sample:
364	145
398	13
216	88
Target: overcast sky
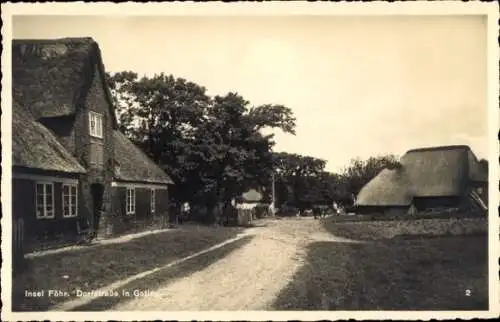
358	86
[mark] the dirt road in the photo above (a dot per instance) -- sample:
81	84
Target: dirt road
249	278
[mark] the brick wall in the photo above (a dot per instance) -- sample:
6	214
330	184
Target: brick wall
102	174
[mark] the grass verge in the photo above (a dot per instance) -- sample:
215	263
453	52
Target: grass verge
421	273
154	282
401	217
383	229
95	267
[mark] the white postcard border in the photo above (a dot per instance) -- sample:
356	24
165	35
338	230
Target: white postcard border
273	8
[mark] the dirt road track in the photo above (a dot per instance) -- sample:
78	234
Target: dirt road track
249	278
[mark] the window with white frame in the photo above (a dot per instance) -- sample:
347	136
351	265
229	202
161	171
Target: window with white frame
96	124
70	200
130	204
153	201
44	199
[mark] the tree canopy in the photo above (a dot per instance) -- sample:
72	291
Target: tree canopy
212	147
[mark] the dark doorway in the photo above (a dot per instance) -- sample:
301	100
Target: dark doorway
97	200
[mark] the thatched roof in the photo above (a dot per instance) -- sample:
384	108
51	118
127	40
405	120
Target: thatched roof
133	163
389	187
35	146
51	77
427	172
251	196
439	171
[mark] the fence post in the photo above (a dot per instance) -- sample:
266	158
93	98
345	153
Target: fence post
18	245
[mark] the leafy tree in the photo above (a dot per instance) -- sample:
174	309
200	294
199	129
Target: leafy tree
297	179
212	147
333	189
239	155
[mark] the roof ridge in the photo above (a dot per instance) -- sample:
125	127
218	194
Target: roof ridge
441	147
54	40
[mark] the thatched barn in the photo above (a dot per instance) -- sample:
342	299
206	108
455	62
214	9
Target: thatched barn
427	179
66	146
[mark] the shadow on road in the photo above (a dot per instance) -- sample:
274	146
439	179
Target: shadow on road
418	273
161	278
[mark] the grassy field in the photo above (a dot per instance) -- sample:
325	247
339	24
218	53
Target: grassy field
400	273
96	267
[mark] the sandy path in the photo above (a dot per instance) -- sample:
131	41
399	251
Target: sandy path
249	278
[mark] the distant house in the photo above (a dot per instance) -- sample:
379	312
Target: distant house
67	149
247	205
427	179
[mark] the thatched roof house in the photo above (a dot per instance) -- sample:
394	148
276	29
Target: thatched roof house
251	204
436	177
51	77
68	156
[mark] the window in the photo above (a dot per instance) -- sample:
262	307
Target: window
44	200
130	204
70	200
153	201
96	153
96	124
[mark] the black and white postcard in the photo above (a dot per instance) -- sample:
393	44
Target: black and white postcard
250	161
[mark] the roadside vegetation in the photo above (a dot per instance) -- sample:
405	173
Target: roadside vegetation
375	229
158	280
392	270
98	266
